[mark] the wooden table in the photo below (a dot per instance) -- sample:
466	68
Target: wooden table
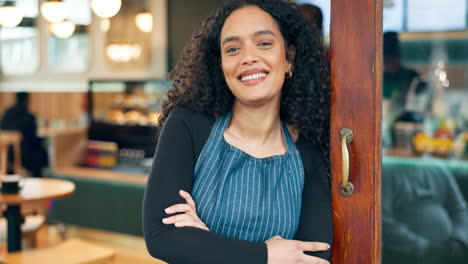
35	189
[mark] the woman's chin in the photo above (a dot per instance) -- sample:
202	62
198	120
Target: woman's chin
258	100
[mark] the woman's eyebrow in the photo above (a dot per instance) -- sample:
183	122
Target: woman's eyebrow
229	39
264	32
260	32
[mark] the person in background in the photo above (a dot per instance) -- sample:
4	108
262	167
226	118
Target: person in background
241	169
397	79
404	94
33	155
313	14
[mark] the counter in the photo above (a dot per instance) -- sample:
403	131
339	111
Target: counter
104	199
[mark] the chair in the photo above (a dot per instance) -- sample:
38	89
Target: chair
3	159
421	201
32	223
10	138
72	251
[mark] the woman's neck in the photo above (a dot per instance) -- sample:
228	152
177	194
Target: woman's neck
259	125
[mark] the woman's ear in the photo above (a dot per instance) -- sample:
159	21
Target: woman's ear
291	53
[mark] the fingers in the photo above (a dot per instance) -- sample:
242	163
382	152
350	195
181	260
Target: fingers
185	220
313	260
179	208
182	208
276	238
313	246
188	198
176	218
188	214
191	223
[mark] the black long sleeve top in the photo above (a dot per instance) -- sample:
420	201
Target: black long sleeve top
181	140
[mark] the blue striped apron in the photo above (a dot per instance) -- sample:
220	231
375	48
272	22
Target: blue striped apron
240	196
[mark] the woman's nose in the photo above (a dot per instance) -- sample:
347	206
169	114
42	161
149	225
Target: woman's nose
249	56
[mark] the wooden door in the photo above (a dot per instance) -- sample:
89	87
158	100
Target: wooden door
356	30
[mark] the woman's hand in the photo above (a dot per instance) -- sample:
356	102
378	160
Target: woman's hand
189	218
283	251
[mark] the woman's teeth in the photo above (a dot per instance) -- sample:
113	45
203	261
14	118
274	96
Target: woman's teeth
253	76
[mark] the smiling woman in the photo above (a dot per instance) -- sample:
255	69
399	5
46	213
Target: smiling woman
253	54
240	173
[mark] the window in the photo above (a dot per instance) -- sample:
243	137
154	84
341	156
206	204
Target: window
424	15
19	45
71	54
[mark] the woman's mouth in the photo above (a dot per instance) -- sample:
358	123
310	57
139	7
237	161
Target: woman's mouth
252	77
256	76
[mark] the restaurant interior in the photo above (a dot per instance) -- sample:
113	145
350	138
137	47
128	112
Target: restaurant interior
96	72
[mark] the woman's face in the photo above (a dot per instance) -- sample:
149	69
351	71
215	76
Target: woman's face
253	56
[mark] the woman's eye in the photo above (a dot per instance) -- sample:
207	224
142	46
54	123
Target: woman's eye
231	50
265	44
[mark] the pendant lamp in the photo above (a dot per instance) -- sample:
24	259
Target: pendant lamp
10	15
144	21
62	29
106	8
54	10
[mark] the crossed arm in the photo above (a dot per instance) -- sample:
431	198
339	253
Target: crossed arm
190	242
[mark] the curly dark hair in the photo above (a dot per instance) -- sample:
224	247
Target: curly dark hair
199	84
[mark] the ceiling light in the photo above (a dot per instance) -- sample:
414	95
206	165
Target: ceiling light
54	10
63	29
106	8
144	21
123	52
10	15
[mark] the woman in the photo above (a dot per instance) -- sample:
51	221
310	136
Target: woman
240	173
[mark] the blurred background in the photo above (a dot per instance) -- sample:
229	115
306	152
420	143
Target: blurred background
81	87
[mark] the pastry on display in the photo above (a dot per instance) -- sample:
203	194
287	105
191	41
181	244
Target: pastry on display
117	116
153	118
132	117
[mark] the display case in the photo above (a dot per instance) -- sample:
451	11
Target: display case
126	114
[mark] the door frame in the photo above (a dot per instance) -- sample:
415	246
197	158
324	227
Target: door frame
356	76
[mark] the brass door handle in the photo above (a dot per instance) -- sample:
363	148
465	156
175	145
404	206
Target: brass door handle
346	187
